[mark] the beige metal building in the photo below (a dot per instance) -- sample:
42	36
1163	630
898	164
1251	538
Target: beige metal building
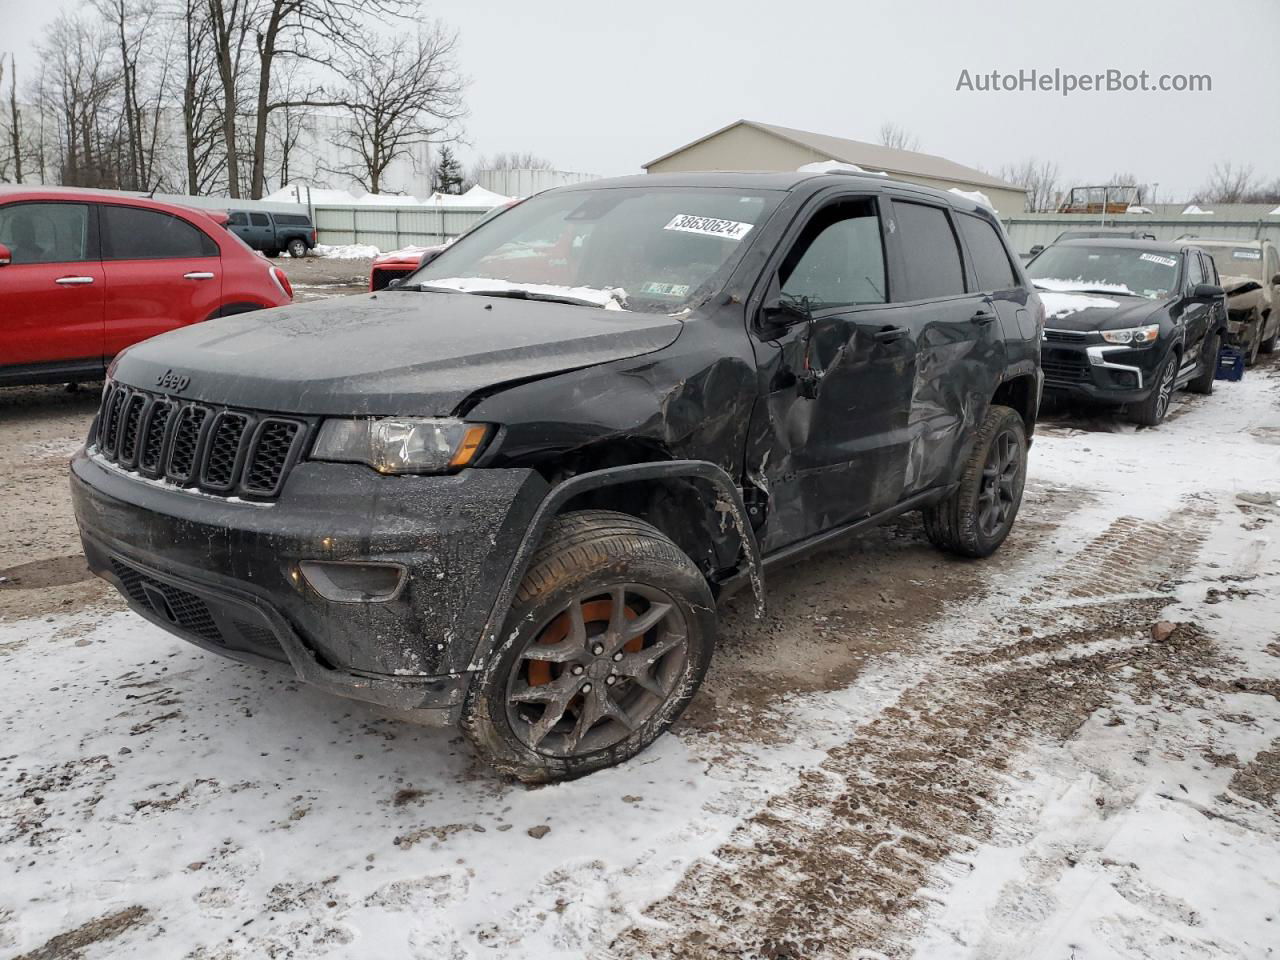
749	145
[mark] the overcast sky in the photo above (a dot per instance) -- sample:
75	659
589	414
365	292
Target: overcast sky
602	87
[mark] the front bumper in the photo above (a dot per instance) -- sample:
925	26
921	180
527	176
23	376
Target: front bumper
225	574
1094	370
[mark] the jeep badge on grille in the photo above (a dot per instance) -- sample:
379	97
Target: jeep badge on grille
172	381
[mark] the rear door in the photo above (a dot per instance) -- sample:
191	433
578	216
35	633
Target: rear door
51	292
1195	313
162	271
829	434
238	223
958	337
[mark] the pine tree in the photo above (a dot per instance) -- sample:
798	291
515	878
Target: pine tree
448	172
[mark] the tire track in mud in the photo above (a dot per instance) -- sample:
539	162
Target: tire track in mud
843	861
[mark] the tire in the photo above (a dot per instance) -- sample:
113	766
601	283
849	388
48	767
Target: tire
1151	411
1203	383
297	248
962	523
588	560
1255	342
1269	345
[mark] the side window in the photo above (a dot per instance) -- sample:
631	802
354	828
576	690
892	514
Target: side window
259	220
46	232
134	233
838	260
1210	269
1195	273
930	252
990	260
238	219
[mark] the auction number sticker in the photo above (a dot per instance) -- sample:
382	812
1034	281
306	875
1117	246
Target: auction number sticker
1156	258
709	226
666	289
1247	254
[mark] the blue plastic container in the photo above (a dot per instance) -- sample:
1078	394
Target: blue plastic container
1230	364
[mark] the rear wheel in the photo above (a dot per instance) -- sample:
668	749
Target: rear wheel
297	248
1151	411
607	641
975	520
1203	383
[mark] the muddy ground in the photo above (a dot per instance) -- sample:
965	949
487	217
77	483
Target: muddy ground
837	789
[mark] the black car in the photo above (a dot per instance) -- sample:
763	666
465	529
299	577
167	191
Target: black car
1128	322
273	232
508	493
1094	234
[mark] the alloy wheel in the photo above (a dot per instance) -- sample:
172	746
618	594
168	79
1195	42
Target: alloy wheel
1165	388
597	670
997	496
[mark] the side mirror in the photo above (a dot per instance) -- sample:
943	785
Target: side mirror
5	255
1037	248
1206	291
784	312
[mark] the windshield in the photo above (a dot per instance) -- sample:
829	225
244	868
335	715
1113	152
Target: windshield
1237	261
1122	270
635	248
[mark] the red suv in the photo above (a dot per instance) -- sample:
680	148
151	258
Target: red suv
84	274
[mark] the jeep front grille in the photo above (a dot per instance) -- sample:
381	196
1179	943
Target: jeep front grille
225	452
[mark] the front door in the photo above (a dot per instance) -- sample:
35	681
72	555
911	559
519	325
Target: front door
52	290
828	441
163	273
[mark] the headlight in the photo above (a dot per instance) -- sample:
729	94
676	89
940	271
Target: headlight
1134	335
401	445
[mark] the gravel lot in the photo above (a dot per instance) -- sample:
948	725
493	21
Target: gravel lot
1042	755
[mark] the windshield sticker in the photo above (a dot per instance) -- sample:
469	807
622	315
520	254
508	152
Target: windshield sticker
709	226
1246	254
665	289
1155	258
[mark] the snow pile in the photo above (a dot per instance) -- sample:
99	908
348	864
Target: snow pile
388	200
1194	211
346	251
611	299
1059	305
977	196
298	193
1137	209
835	166
1274	213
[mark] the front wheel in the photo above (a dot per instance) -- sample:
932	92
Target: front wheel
297	248
607	641
975	520
1151	411
1203	383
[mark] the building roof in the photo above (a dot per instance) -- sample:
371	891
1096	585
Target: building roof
872	156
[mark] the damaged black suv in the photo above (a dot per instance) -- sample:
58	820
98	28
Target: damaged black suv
508	493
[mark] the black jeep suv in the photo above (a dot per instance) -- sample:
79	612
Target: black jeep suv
508	493
1128	322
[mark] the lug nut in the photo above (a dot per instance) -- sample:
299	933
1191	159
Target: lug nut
598	649
586	688
577	671
617	657
611	679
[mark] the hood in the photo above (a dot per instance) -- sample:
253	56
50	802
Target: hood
1088	311
1236	286
387	354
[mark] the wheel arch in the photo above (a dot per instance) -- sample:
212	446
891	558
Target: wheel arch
1022	394
621	488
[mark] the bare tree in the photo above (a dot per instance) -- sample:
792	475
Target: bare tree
15	141
1040	180
202	127
1227	184
513	160
401	93
892	135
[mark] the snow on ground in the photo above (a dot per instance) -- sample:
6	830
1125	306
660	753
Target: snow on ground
1032	776
346	251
